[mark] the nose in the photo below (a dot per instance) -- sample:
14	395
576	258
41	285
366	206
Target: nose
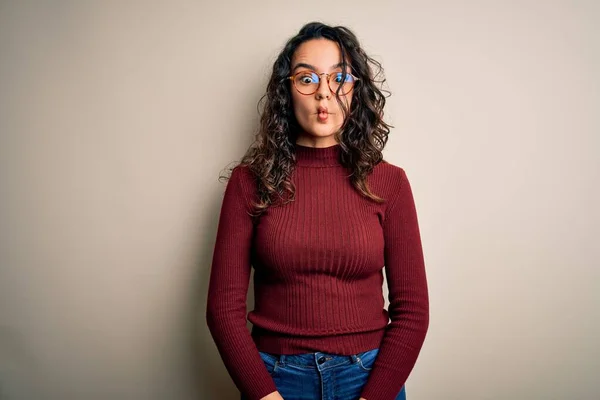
323	90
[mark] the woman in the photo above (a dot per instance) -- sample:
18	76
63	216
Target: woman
319	214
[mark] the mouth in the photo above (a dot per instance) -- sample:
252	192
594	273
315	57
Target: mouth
322	114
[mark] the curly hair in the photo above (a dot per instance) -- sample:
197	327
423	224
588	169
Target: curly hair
362	137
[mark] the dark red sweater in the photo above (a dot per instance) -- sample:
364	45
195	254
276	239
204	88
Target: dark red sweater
318	274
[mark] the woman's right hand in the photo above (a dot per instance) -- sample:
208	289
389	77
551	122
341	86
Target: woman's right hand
273	396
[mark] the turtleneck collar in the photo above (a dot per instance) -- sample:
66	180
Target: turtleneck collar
318	156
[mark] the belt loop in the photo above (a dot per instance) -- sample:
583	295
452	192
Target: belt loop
282	359
353	358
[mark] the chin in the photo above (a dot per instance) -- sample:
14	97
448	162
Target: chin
322	130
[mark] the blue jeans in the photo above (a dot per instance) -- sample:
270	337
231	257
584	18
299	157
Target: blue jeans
321	376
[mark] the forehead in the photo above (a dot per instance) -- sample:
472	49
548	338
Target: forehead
321	53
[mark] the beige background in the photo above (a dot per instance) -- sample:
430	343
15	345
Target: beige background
116	119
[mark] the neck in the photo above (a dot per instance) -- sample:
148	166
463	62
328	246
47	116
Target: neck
318	156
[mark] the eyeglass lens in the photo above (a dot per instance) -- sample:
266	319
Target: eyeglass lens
307	82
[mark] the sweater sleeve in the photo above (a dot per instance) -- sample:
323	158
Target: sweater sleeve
408	297
227	292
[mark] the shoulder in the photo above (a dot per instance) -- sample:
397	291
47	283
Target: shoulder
243	180
241	174
387	168
387	178
395	187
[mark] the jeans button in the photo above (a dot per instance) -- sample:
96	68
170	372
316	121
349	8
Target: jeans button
321	360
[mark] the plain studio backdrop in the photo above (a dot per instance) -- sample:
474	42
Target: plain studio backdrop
116	119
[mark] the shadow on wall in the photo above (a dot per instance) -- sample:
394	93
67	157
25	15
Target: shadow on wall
20	375
209	375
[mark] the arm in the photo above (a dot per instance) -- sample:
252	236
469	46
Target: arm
227	291
408	296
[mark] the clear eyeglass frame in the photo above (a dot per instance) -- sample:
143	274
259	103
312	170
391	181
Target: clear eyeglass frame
307	92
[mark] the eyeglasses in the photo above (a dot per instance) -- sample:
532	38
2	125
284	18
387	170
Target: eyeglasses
307	82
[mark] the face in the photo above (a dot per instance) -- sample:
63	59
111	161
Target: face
318	114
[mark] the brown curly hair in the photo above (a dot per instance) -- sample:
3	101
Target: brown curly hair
362	137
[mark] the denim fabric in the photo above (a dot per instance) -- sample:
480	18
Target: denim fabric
321	376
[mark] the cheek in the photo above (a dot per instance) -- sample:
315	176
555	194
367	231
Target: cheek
299	105
347	100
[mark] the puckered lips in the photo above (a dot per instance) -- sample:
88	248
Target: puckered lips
322	114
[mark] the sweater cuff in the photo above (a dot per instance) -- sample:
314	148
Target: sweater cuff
257	389
383	384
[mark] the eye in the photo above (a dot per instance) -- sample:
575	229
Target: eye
307	78
339	78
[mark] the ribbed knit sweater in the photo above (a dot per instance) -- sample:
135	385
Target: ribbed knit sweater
318	274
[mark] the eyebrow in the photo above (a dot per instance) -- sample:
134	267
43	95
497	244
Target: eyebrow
300	65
